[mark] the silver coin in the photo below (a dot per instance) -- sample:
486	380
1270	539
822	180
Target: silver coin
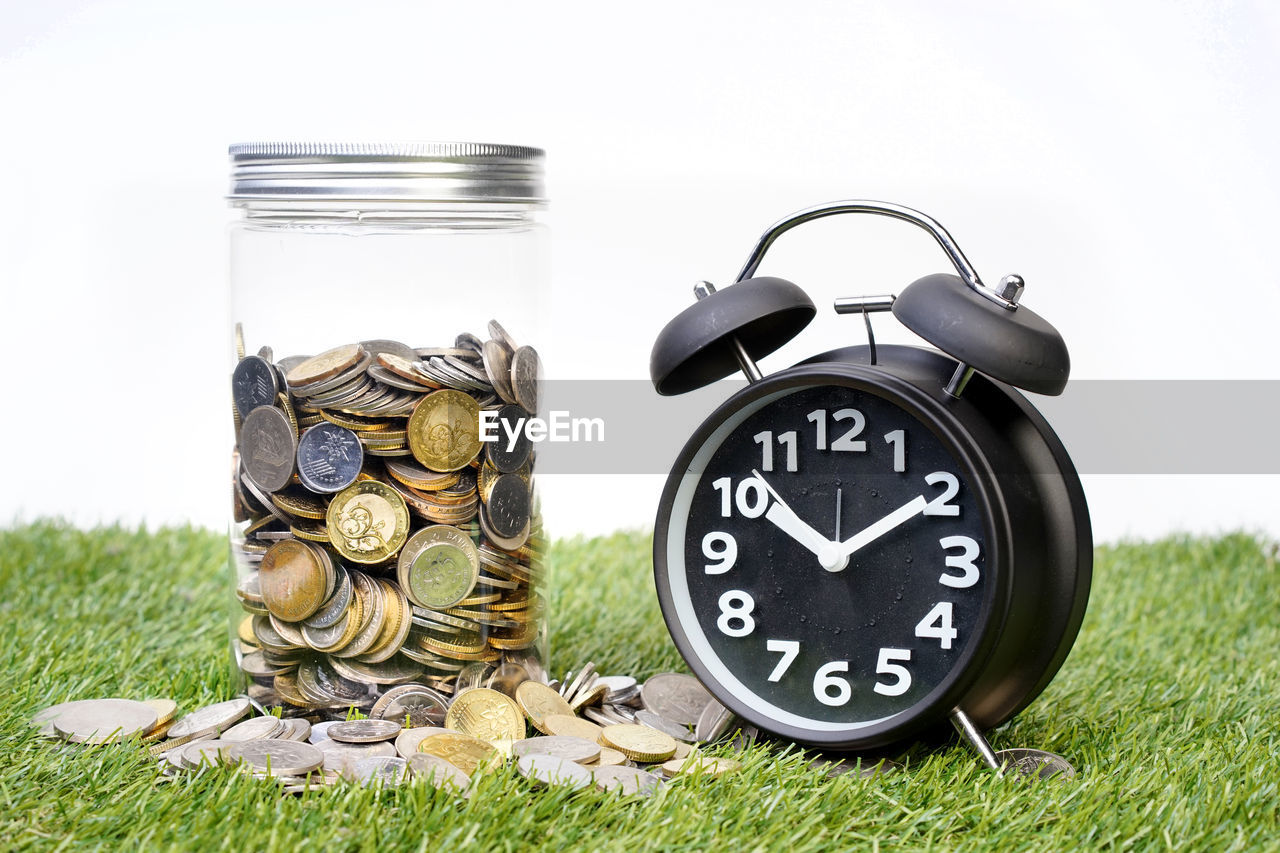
626	780
297	729
276	757
254	383
508	507
267	447
320	731
376	348
860	766
416	703
468	341
43	720
575	684
329	458
254	728
212	719
576	749
713	722
623	689
497	365
679	698
549	770
396	670
437	772
461	352
365	731
526	373
501	335
505	456
339	757
289	362
662	724
1036	763
468	369
202	752
103	720
332	611
382	770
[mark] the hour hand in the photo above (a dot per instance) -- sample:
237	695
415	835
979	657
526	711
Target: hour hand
785	519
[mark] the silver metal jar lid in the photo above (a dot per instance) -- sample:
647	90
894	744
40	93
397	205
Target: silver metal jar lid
394	173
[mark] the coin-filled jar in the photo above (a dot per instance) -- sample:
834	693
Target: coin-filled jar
386	544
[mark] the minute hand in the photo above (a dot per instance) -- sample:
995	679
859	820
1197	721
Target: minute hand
875	531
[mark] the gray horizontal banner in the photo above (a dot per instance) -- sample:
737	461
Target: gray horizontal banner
1108	426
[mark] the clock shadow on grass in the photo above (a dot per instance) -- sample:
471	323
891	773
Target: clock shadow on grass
852	615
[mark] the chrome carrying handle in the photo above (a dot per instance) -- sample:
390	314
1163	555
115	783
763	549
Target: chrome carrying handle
881	208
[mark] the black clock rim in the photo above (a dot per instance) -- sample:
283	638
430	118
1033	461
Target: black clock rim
935	707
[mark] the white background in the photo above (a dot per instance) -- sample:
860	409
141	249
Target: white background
1120	156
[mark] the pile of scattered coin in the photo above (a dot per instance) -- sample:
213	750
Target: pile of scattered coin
383	542
481	729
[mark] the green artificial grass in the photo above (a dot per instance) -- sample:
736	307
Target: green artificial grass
1166	706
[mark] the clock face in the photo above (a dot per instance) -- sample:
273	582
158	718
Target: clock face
826	564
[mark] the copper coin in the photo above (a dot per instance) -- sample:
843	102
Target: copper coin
293	580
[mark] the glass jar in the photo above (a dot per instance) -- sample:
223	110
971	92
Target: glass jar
384	300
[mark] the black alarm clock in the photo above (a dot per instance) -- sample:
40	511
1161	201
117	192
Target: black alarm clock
881	541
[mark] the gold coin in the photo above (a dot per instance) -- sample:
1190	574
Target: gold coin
538	701
467	753
589	697
609	758
701	764
310	532
568	724
639	743
355	423
486	714
303	506
368	522
325	365
444	430
293	579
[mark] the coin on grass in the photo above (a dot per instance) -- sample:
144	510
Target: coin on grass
210	720
254	728
329	458
626	780
437	772
639	743
467	753
417	704
438	567
364	731
444	430
294	579
567	724
253	384
203	752
275	757
387	771
486	714
713	722
576	749
339	757
679	698
267	447
368	522
408	741
1036	763
701	764
662	724
539	701
549	770
104	720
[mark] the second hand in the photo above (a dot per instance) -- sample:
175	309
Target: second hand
838	491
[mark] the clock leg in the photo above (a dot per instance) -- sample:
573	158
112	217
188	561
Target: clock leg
1025	762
